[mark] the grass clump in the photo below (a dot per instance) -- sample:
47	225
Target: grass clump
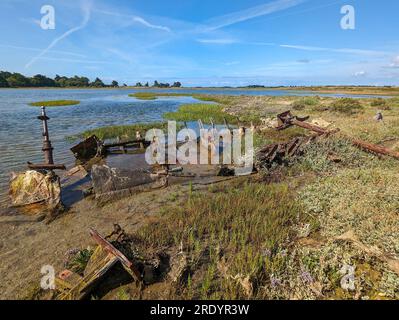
212	98
380	103
393	102
302	103
144	95
123	131
347	106
155	95
196	111
79	261
54	103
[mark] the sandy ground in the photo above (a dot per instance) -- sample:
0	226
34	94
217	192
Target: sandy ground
27	245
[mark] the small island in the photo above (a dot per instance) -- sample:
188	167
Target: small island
54	103
155	95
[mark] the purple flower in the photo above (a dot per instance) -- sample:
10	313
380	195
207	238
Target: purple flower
275	282
306	277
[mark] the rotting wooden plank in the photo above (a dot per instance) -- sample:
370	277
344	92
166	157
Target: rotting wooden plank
77	288
74	287
128	265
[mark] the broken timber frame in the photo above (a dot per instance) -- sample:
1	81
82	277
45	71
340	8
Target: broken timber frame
75	287
286	119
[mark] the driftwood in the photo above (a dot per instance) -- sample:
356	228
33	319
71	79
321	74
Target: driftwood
72	286
286	119
375	148
107	246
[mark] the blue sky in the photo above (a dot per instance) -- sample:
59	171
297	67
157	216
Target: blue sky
205	42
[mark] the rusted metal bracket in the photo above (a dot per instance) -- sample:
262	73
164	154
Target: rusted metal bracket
286	119
44	166
89	148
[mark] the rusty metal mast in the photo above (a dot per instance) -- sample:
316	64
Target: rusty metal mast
47	148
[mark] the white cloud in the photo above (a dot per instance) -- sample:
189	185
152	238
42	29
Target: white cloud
360	74
231	63
134	18
40	50
303	61
217	41
86	8
149	25
74	60
122	55
341	50
250	13
395	62
31	20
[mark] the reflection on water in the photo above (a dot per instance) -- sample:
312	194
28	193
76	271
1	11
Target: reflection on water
20	131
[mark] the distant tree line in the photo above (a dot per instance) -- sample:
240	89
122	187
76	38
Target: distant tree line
17	80
157	84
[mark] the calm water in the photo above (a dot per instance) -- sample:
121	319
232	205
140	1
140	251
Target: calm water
20	131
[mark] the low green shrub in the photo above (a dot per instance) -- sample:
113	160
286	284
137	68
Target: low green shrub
347	106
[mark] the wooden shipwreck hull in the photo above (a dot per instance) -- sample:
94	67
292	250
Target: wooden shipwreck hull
113	183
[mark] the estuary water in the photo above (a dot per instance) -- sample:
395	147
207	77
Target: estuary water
20	130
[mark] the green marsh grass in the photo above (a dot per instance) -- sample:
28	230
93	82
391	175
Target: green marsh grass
155	95
243	228
347	106
304	102
196	111
80	260
54	103
123	131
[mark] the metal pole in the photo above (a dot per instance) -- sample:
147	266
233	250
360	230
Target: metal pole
47	148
